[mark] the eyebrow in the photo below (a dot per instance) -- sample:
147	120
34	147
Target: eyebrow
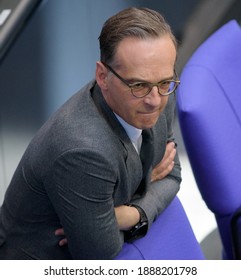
136	80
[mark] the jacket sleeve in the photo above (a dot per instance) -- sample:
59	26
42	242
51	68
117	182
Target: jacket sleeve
157	197
82	195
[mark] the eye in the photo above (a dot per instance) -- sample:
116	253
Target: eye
139	86
165	84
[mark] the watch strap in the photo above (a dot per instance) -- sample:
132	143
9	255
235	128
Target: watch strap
143	217
140	229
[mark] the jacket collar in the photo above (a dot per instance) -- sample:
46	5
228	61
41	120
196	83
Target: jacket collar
109	115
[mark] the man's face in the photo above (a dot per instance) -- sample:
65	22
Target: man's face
138	60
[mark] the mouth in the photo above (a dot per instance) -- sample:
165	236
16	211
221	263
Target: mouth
148	119
150	113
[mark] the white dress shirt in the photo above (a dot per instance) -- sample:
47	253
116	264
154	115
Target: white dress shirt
133	133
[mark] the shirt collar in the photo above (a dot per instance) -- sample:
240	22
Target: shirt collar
133	132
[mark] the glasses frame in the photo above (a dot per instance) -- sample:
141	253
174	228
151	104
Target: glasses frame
150	85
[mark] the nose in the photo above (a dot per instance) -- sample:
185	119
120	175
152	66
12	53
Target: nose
153	98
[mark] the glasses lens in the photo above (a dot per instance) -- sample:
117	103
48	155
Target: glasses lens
140	89
172	86
167	87
164	88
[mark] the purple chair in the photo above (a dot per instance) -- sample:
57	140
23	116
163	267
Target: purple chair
209	110
170	238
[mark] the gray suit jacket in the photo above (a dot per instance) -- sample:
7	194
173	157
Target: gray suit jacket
78	167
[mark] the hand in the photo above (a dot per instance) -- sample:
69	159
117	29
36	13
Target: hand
127	216
166	165
58	232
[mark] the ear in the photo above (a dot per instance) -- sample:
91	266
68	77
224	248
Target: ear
101	76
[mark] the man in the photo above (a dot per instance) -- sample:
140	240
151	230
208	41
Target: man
83	170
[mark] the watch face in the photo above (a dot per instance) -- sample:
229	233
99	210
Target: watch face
138	231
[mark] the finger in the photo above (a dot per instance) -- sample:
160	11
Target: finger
159	174
169	154
166	165
165	162
59	231
163	174
166	171
63	242
170	148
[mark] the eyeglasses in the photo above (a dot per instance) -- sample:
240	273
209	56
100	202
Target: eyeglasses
142	89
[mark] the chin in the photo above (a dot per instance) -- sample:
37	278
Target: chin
146	125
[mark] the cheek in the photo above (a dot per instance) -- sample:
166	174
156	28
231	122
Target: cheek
121	103
164	103
128	111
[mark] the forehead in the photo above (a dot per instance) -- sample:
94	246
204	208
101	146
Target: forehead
150	54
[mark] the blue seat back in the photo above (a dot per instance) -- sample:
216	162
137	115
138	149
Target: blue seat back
209	110
171	237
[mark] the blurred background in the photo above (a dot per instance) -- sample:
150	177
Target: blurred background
53	54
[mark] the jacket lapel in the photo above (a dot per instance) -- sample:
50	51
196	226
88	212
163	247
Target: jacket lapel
133	162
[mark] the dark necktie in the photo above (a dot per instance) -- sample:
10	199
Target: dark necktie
146	155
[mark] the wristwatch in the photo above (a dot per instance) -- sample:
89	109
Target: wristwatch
140	229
